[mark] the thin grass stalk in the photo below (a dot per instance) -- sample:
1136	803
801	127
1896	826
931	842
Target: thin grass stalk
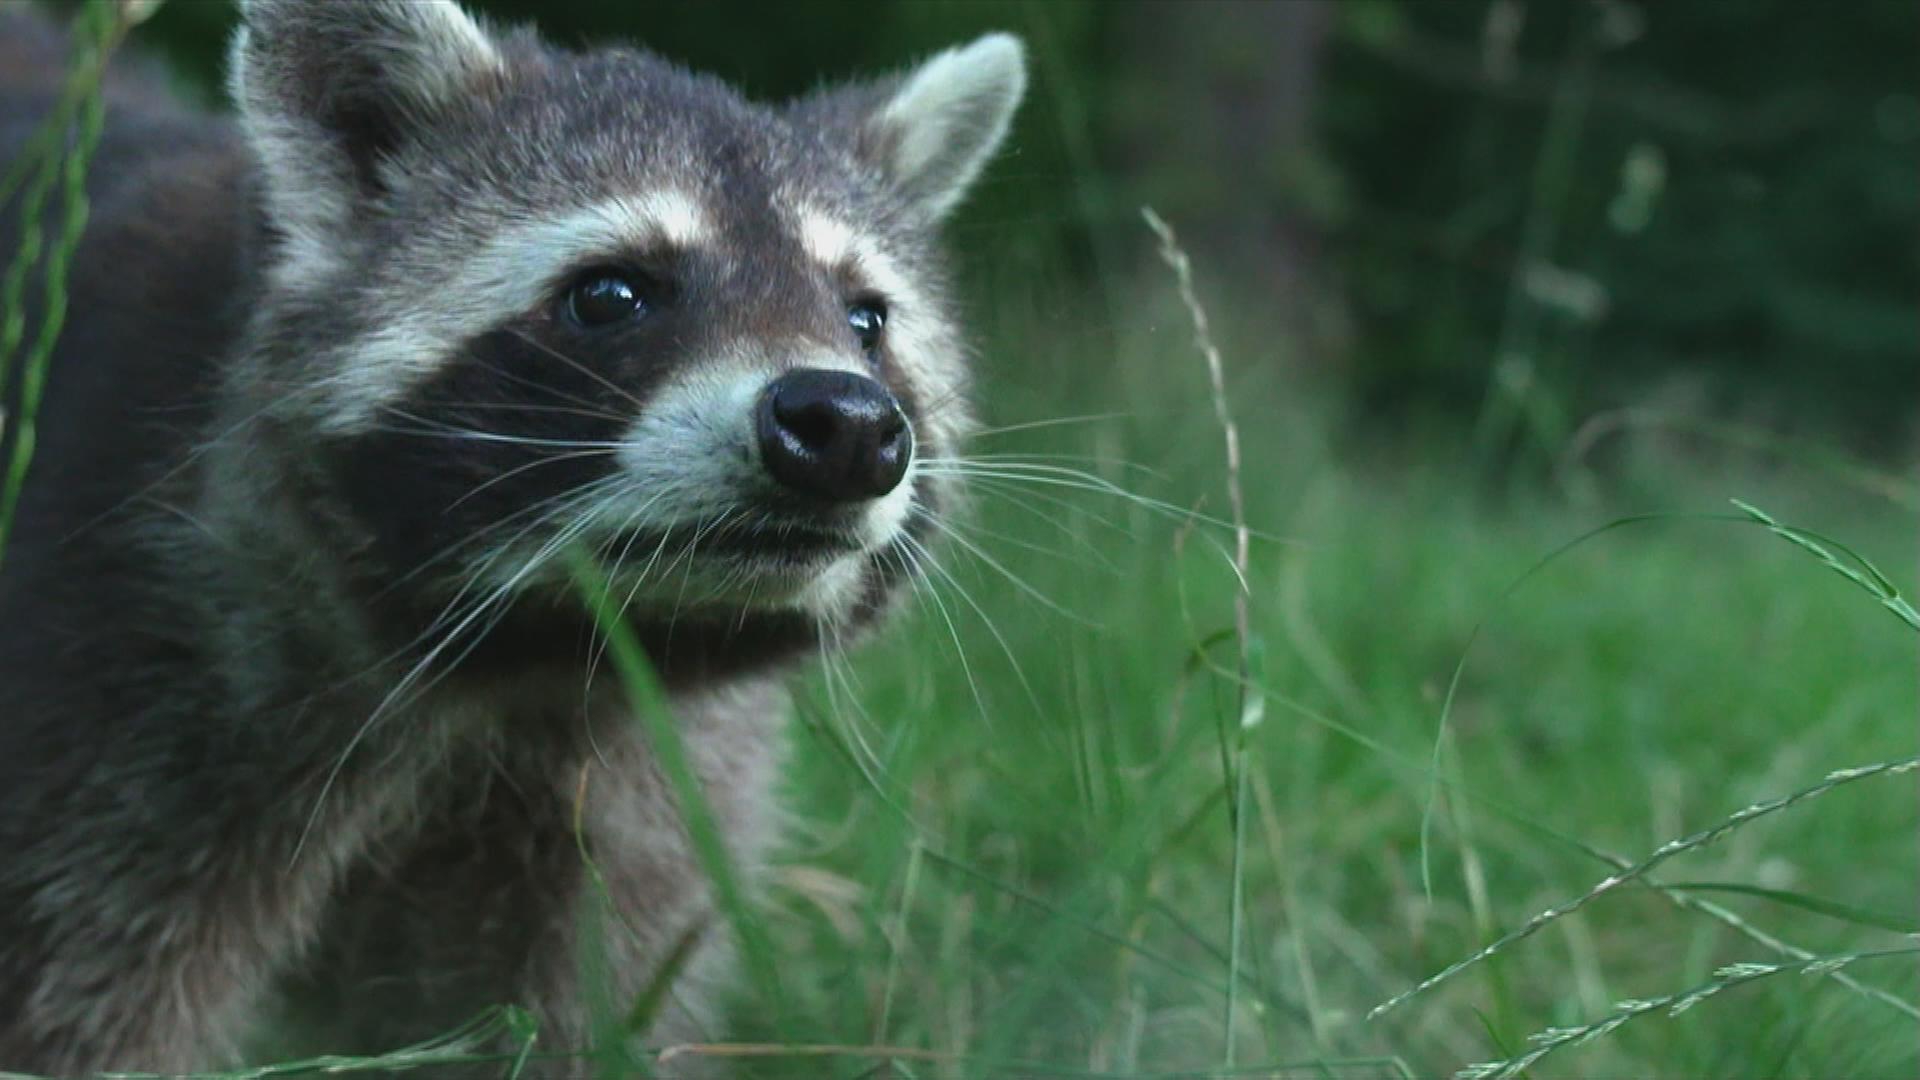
1670	849
462	1046
1011	1067
1672	894
1866	575
99	29
1553	1040
648	703
1177	260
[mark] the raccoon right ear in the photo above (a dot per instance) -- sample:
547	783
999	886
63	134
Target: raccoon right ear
327	89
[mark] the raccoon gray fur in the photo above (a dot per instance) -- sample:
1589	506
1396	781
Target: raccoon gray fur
296	698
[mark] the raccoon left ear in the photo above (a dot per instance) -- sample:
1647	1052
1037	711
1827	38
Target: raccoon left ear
933	130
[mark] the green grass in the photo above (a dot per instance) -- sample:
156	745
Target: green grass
1070	851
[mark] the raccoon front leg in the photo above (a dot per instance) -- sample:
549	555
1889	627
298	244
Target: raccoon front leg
558	879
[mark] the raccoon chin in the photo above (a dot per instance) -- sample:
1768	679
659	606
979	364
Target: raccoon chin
836	593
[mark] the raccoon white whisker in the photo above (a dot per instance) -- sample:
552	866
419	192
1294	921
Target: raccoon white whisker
572	455
404	688
527	407
614	566
1058	476
434	428
583	369
545	509
1023	499
469	435
1058	421
1050	459
920	557
979	532
1018	582
855	721
1019	673
587	406
686	575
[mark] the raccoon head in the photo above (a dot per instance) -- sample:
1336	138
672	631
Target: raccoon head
519	298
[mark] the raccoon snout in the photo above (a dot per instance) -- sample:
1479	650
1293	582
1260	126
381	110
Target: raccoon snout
833	435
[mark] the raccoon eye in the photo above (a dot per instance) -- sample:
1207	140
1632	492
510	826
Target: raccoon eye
868	318
604	297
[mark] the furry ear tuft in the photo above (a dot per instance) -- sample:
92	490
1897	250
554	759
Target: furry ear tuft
949	116
326	89
942	122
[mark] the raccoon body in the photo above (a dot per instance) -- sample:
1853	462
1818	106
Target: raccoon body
298	704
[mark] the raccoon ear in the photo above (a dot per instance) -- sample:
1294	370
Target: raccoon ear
327	88
933	130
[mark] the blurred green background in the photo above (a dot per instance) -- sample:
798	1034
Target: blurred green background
1489	276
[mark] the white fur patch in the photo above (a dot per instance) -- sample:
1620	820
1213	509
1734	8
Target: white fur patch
827	240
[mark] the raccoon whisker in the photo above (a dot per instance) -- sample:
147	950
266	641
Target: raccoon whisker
993	628
546	509
689	555
984	556
571	455
919	556
471	435
526	407
614	566
590	406
577	366
553	508
855	722
1023	499
1058	421
543	513
434	429
406	688
1048	459
997	536
1076	479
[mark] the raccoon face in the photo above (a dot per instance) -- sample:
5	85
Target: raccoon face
528	299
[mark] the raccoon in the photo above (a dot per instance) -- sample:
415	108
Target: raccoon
299	705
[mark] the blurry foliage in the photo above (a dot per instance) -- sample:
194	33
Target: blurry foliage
1733	200
1530	210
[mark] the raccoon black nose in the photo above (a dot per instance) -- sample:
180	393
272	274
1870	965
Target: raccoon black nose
833	435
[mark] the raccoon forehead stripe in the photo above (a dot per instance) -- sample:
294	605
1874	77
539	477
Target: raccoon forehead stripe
512	272
827	240
671	215
833	243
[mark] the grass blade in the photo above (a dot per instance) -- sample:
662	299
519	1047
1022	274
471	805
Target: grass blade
651	710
